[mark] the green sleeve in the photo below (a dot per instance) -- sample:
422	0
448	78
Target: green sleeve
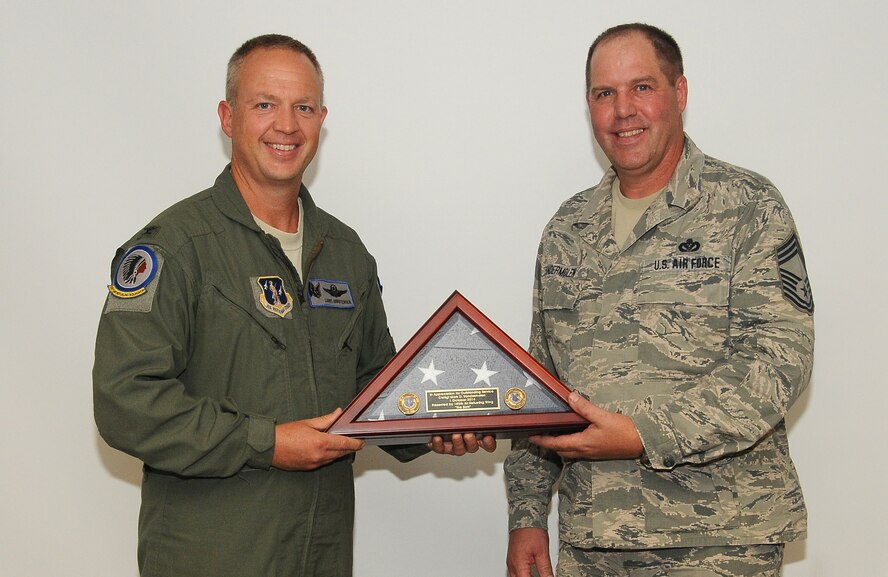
142	407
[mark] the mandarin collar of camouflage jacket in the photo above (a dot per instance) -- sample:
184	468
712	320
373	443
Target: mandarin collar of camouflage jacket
682	192
231	203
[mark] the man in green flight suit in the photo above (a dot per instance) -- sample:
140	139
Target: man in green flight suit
673	298
238	322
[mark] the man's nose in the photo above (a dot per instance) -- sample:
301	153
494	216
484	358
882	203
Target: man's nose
624	105
285	121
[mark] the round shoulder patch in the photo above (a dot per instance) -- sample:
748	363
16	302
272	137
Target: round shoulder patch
134	273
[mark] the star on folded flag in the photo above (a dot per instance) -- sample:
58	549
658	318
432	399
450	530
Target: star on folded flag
483	374
430	373
530	382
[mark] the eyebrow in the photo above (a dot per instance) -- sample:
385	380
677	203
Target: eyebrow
271	98
645	80
634	82
263	98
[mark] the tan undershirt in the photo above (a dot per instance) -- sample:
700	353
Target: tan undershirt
291	242
628	211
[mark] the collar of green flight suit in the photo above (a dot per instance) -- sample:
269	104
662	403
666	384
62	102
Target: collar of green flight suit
231	203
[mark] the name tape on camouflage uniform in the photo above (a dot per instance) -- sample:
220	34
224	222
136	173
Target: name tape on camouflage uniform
566	271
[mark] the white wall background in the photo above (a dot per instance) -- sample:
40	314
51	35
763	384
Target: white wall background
455	131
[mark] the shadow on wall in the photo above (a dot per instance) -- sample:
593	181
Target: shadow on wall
441	466
794	552
119	465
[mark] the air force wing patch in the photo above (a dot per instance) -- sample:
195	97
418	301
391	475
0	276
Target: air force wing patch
273	297
329	293
794	276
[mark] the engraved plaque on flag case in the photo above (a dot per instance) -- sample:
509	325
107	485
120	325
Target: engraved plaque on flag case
458	374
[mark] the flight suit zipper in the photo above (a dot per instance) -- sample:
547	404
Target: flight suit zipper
277	342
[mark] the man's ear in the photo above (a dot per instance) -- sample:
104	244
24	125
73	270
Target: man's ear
225	111
681	89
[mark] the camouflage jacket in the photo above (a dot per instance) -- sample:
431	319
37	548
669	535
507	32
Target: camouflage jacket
700	329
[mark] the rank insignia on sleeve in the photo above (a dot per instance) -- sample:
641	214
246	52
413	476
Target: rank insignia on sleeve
273	297
793	275
138	267
329	293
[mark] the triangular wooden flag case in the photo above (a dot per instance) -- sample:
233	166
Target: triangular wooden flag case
459	373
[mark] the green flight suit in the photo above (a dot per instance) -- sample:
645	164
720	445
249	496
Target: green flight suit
194	367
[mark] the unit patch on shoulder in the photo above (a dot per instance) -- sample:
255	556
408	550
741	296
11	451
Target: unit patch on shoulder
793	275
272	296
133	283
329	293
135	271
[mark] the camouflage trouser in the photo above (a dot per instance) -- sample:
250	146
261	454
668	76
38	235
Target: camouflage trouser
736	561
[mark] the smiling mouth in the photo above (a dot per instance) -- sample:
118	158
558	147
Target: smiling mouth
283	147
630	133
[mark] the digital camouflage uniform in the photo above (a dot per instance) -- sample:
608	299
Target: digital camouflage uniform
700	330
724	561
193	370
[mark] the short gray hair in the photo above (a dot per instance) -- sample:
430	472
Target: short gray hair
266	41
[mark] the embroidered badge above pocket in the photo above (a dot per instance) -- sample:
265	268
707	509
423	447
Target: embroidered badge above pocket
329	293
273	297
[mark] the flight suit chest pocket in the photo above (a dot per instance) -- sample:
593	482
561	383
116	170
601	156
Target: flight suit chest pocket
337	342
683	313
568	308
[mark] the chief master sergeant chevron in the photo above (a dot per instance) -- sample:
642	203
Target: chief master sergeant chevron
222	342
673	298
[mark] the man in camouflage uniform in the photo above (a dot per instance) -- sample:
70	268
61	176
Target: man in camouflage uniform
673	299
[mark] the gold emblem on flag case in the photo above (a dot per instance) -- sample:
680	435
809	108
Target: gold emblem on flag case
516	398
408	403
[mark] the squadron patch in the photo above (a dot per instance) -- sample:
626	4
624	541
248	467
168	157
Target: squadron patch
273	297
134	281
793	275
138	267
329	293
